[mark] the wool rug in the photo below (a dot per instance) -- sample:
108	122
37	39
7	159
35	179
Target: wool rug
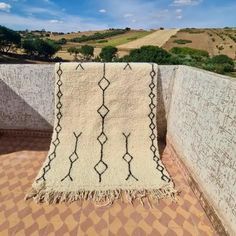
104	144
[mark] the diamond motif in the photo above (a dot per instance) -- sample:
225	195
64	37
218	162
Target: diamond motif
59	72
56	142
152	136
152	126
58	128
151	115
73	157
59	105
103	110
100	167
127	157
153	73
46	168
151	95
155	158
153	148
59	83
103	83
152	106
102	138
160	168
59	94
152	85
59	115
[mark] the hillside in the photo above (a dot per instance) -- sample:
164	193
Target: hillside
214	41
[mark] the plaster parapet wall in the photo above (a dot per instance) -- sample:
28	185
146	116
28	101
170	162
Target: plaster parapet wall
202	128
26	96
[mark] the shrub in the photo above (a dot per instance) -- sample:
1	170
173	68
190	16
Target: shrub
189	51
220	64
61	41
75	51
108	53
149	54
87	51
182	41
8	39
39	47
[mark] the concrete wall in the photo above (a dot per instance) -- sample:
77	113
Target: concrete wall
202	129
198	106
26	96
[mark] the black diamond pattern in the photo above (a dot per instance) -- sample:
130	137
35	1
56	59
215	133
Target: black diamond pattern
152	125
72	158
127	157
103	110
58	127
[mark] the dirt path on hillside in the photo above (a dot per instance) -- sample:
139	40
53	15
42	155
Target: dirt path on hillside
158	38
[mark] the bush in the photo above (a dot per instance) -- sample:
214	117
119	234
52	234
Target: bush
87	51
222	59
75	51
61	41
182	41
39	47
194	53
108	53
8	39
149	54
220	64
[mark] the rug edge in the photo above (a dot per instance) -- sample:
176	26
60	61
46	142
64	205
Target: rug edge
103	197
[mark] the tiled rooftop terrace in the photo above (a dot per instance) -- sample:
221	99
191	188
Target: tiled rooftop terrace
22	156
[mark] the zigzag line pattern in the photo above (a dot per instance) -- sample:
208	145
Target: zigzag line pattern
73	157
101	166
58	127
127	157
152	126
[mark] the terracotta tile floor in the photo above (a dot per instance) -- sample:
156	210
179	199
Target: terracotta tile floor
20	160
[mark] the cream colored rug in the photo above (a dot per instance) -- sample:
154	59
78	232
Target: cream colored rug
104	144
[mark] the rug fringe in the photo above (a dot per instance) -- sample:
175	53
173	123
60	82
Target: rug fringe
103	197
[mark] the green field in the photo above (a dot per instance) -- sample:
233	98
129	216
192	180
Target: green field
120	39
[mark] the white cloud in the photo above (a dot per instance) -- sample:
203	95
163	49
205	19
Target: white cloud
103	10
5	7
70	23
178	11
56	21
179	17
185	2
128	15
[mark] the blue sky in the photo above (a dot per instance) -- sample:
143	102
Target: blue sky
80	15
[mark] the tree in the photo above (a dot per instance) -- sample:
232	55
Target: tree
108	53
87	51
40	47
149	54
8	39
61	41
75	51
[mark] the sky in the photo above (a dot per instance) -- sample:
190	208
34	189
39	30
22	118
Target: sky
83	15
